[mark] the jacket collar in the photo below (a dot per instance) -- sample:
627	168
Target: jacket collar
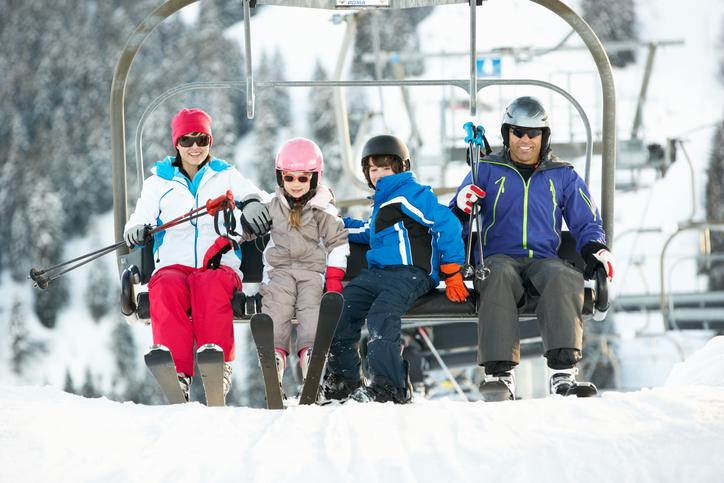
166	170
390	184
321	198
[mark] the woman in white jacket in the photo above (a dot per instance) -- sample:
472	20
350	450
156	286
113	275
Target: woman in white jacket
196	273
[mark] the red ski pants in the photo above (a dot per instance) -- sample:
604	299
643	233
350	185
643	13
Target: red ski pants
187	305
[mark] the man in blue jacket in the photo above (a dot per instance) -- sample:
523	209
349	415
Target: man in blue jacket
525	194
413	241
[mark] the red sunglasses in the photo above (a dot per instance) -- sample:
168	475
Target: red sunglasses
302	178
188	141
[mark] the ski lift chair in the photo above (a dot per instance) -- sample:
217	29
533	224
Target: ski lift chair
432	309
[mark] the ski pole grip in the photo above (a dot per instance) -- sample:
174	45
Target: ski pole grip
213	206
469	132
479	133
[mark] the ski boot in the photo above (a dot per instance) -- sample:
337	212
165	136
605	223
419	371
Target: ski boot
563	382
337	388
305	356
227	378
281	360
381	389
185	382
498	387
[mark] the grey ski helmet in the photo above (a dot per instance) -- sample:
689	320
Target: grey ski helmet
526	112
385	145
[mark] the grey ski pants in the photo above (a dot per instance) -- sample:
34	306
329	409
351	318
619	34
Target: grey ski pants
504	291
293	293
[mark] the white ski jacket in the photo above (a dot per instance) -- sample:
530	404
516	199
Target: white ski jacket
168	194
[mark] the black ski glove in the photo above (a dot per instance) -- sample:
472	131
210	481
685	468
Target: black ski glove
595	254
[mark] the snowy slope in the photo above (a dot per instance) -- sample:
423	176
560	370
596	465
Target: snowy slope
666	434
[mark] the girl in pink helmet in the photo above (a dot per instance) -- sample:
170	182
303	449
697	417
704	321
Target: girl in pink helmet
307	251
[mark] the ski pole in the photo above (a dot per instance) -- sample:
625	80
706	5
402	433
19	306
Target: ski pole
212	206
472	159
42	282
481	271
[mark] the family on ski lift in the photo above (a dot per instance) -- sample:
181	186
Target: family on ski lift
523	194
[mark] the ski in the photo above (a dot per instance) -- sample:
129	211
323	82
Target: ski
330	309
210	359
262	330
160	363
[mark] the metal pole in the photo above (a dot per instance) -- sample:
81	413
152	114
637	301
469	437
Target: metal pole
443	366
117	110
608	155
473	71
250	92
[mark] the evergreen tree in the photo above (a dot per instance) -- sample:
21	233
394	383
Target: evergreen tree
88	389
613	20
715	188
68	386
253	394
278	98
266	127
123	349
397	31
714	205
44	226
23	348
99	295
323	127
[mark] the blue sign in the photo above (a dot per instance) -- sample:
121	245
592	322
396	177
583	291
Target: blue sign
489	66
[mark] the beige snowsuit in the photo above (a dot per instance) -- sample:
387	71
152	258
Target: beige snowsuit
295	261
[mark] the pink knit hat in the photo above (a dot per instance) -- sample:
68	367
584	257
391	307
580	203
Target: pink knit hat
188	121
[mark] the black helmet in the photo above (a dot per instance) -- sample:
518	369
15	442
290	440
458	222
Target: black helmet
526	112
385	145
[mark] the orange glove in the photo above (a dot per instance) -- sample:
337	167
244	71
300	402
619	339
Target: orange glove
455	289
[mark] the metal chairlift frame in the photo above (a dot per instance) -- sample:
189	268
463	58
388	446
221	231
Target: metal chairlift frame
471	85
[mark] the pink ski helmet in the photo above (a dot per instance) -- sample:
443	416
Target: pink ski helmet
300	154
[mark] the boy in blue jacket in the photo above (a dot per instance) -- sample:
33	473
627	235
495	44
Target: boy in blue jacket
413	240
526	193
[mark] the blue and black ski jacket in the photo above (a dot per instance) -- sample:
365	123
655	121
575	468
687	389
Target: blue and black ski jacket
524	218
408	227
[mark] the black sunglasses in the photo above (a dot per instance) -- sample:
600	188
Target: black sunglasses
188	141
532	132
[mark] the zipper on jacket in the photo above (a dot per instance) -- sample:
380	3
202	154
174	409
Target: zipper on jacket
588	202
501	180
553	213
525	203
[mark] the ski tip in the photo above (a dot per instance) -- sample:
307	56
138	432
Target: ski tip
211	347
157	347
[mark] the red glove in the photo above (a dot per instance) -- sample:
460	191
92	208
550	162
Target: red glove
212	258
455	289
333	279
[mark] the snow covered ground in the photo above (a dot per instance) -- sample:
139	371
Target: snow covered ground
665	434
